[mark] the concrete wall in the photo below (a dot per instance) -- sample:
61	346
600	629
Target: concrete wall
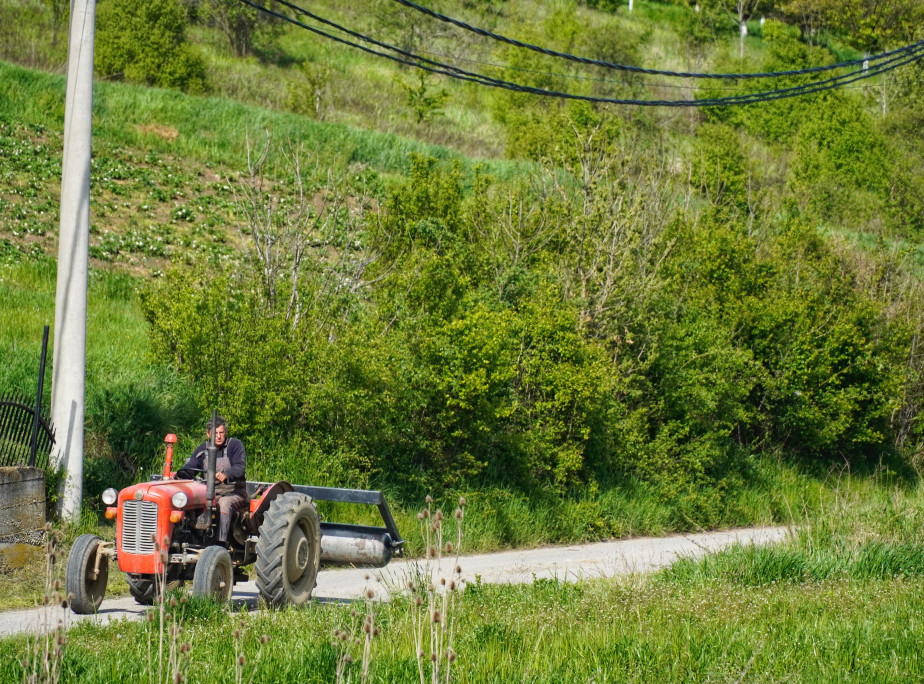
22	500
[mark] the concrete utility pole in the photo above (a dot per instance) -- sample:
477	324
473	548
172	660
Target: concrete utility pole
68	382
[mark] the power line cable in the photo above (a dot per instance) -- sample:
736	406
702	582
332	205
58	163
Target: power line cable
640	70
576	77
420	62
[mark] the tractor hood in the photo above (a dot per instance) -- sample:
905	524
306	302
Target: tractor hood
161	492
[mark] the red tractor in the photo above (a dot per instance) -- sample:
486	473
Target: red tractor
166	531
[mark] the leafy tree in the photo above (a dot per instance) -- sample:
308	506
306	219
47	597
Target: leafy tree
874	25
145	41
424	102
840	166
241	24
60	12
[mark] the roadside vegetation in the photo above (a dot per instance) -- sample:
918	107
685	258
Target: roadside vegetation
838	602
592	321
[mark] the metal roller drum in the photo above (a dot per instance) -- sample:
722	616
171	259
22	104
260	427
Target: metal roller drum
355	545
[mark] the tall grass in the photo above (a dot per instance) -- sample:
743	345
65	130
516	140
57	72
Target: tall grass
131	402
841	602
208	128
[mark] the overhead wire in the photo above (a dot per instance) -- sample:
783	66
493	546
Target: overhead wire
576	77
894	59
640	70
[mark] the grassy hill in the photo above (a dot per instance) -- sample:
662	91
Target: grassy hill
591	321
581	305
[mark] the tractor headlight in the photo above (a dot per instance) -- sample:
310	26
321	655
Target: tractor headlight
179	500
110	496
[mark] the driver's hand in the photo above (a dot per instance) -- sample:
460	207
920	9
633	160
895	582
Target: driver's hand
221	477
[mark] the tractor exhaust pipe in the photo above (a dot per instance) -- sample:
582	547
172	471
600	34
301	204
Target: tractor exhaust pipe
204	521
211	455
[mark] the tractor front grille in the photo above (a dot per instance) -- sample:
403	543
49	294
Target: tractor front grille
139	526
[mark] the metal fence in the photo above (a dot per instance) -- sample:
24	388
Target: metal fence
25	439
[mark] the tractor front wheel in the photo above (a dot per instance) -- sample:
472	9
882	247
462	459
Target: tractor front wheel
289	550
213	576
86	575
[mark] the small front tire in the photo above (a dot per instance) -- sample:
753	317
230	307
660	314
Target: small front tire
84	585
214	574
142	588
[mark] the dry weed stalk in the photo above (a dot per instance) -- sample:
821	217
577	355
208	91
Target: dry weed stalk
240	660
45	653
178	653
345	640
434	627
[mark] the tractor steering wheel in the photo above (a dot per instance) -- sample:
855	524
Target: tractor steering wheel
190	471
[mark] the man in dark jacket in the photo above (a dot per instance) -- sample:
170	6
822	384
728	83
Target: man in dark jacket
230	479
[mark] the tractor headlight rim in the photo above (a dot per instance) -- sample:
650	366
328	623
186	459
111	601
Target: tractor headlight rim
179	500
110	496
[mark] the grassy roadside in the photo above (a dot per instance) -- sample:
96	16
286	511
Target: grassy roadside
761	614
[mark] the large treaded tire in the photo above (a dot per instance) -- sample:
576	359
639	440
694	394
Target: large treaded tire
85	592
143	589
214	575
289	550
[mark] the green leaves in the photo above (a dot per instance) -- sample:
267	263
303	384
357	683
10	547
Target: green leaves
144	41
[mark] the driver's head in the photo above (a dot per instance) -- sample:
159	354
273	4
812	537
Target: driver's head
221	431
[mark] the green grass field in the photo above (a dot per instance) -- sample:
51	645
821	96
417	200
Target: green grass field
840	602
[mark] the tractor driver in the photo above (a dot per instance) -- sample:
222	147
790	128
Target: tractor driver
230	480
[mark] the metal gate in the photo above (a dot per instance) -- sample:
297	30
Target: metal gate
25	439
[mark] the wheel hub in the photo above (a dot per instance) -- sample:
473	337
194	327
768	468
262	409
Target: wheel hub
299	550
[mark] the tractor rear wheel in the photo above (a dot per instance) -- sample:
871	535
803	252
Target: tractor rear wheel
213	576
142	588
85	586
289	550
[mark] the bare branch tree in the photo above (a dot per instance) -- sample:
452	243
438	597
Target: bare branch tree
308	244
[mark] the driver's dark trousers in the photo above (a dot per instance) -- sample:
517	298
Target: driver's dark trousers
228	504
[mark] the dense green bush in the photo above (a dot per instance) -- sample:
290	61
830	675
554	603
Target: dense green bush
724	342
144	41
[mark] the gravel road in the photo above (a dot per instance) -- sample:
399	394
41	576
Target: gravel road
566	563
